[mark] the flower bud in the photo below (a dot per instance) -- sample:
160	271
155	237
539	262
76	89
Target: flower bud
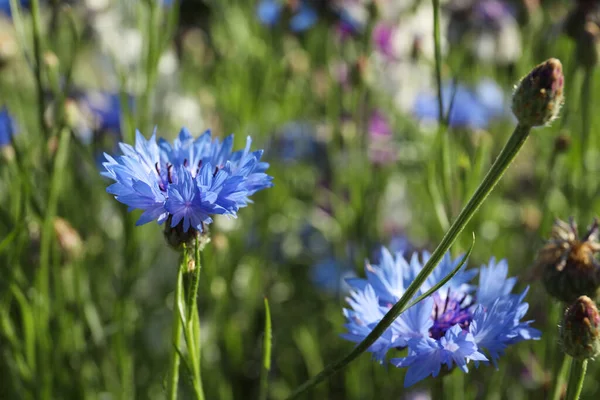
538	97
579	331
568	265
176	237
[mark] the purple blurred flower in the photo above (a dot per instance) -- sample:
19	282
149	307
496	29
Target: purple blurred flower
383	35
381	146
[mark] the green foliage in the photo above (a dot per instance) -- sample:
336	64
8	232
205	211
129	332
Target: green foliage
87	299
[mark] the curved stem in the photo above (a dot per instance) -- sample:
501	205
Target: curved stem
177	326
496	171
576	378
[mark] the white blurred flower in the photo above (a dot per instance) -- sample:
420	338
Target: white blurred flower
183	110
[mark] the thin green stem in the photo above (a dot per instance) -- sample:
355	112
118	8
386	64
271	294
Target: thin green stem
496	172
38	63
586	126
193	324
561	377
266	365
152	57
576	378
176	332
438	58
43	277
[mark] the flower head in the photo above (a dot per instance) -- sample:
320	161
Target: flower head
568	265
460	322
580	332
539	95
186	182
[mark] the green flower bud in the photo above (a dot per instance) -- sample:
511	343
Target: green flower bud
538	97
579	332
568	264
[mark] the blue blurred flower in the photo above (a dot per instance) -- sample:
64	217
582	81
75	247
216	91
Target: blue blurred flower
7	127
5	6
470	108
185	182
460	322
104	109
331	274
303	17
269	11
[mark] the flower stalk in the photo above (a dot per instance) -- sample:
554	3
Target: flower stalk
576	378
173	379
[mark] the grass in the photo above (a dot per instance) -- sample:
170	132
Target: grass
85	313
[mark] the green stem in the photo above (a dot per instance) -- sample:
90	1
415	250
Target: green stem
561	377
47	238
586	107
37	65
576	378
193	324
152	57
496	171
266	367
438	58
177	327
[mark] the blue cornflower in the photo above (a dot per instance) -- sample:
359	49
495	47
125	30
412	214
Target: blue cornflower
7	127
186	182
474	108
460	322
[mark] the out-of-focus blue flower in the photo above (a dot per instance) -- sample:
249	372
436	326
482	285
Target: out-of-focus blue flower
460	322
297	142
104	109
470	108
400	244
331	274
187	181
303	17
268	12
5	6
7	127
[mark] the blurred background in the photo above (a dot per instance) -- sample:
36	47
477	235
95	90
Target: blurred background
343	97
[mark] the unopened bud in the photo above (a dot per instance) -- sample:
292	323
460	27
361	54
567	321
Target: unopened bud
539	96
579	330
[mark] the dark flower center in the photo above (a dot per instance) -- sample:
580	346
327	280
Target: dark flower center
454	309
